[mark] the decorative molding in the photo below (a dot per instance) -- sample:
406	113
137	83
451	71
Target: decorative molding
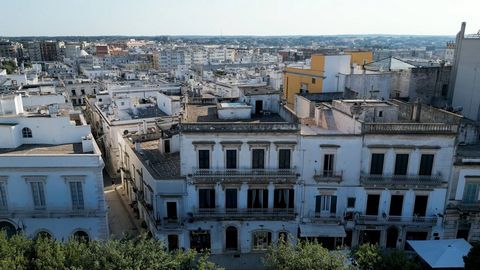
329	146
259	144
209	144
231	144
285	144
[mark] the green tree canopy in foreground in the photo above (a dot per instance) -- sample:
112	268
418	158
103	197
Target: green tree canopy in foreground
18	252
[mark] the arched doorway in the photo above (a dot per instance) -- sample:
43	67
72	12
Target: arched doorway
81	236
8	227
392	237
43	234
231	238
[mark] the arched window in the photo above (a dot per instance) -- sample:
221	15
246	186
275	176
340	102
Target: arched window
26	132
261	240
8	227
81	236
43	234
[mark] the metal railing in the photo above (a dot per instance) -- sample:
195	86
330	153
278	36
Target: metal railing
50	213
408	128
374	179
328	176
375	219
244	172
244	212
324	217
469	206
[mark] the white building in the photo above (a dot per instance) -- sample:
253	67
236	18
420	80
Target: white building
50	174
465	82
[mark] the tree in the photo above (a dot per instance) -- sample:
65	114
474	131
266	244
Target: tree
367	257
472	260
398	260
303	255
43	253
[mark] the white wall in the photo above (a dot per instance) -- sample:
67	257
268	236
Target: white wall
335	64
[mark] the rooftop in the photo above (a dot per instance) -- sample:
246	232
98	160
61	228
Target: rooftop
160	165
45	149
258	90
209	113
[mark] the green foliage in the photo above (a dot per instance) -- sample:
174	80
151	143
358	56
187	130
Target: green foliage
18	252
398	260
472	260
367	257
306	255
9	65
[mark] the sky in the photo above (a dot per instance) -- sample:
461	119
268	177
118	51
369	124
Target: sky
236	17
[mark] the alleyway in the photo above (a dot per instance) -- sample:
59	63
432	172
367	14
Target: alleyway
120	218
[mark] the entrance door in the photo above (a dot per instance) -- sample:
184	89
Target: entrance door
258	106
200	240
231	238
171	210
372	204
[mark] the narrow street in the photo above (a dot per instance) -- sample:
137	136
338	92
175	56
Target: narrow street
120	219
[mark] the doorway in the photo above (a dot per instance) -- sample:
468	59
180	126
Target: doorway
392	237
258	106
231	238
167	146
171	210
172	242
373	201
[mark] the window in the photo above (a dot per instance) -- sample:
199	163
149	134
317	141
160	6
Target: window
420	207
376	166
444	90
380	113
81	236
38	193
401	164
258	159
3	196
204	159
172	211
283	198
396	204
73	92
426	164
261	240
373	201
230	198
26	132
76	192
231	157
284	159
206	198
303	88
351	202
257	198
313	80
470	195
83	91
326	204
328	160
74	101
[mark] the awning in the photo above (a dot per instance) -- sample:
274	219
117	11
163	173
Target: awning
316	230
442	253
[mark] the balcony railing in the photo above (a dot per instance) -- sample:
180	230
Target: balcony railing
237	213
414	220
408	128
324	217
239	127
469	206
50	213
328	176
242	174
389	180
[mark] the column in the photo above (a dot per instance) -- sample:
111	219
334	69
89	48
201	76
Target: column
243	196
271	189
219	196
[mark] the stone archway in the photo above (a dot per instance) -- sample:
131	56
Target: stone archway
231	238
8	227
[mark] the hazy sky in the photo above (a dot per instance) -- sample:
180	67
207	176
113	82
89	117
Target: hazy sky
236	17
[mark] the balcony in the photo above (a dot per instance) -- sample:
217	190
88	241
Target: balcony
469	206
402	181
406	220
324	218
244	213
328	176
408	128
241	175
50	213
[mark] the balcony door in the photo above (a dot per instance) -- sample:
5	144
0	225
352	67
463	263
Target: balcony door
420	207
401	164
376	165
328	164
231	159
230	198
373	201
283	198
325	205
257	198
206	198
426	164
258	159
172	211
396	205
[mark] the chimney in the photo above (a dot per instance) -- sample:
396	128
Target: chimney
87	144
417	109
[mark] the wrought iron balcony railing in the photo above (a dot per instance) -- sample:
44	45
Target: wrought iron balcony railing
237	213
328	176
408	128
416	220
387	180
242	174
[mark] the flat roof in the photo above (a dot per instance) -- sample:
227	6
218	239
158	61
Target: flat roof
258	90
208	113
44	149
